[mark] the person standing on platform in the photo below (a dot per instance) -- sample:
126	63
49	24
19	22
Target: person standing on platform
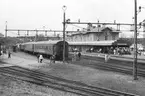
79	55
53	58
40	58
9	54
106	57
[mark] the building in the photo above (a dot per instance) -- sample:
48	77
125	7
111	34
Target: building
93	33
95	38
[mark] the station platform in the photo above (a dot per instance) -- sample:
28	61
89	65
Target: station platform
16	61
107	79
140	58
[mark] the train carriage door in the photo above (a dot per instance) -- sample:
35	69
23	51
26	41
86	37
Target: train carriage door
61	50
54	50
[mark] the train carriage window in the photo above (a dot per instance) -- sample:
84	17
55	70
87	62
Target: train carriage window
50	48
54	49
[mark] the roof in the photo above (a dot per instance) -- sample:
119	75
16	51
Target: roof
121	42
99	43
97	30
44	42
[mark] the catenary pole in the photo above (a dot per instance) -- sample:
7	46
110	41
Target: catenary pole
135	42
64	8
6	29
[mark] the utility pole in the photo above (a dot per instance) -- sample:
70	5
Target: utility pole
18	33
135	42
64	9
36	35
6	29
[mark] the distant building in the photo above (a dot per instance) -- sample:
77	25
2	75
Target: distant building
93	33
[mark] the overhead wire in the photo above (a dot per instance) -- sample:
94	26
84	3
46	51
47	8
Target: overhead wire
78	26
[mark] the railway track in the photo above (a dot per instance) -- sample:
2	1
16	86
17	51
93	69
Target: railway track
111	65
116	60
127	62
60	83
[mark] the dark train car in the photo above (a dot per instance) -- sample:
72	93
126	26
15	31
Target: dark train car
47	48
14	48
21	47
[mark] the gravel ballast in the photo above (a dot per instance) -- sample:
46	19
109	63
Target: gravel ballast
9	86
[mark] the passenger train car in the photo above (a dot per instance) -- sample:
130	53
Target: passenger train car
47	48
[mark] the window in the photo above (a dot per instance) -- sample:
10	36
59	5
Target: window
113	37
106	35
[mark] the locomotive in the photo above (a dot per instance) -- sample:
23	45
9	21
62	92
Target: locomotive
46	48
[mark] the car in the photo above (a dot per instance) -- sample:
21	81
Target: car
47	48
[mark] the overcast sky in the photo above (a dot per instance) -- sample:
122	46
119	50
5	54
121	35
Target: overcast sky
34	14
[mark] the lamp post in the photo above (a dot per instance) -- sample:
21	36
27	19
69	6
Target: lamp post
64	9
6	29
45	31
135	42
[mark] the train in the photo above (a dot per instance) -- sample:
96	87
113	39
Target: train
46	48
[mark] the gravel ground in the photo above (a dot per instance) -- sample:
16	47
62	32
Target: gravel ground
91	76
13	87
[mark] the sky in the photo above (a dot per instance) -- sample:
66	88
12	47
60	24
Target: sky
34	14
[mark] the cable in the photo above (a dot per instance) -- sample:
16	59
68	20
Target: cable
78	26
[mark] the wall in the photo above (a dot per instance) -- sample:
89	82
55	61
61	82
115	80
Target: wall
105	34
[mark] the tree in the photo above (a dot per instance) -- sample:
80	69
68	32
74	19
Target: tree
40	37
9	41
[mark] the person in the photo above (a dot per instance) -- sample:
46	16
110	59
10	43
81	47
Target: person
4	51
9	54
115	52
1	52
79	55
40	58
75	56
107	57
52	59
91	50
